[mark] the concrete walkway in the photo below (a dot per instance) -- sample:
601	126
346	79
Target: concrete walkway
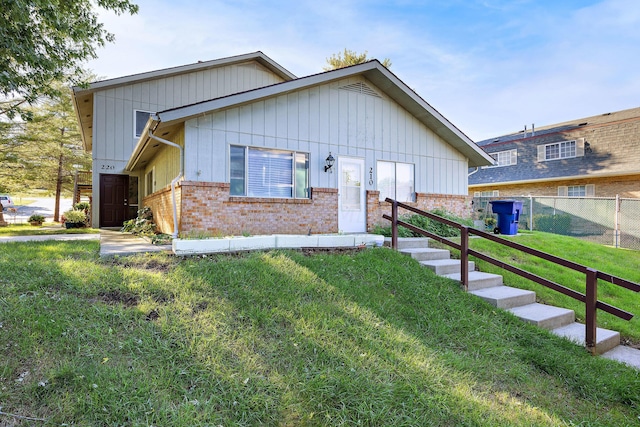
111	242
117	243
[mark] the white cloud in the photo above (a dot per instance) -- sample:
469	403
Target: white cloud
490	66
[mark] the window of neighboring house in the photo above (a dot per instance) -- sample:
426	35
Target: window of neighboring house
561	150
149	183
505	158
588	190
492	193
396	181
259	172
139	121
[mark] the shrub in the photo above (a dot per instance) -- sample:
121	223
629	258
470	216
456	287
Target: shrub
75	216
36	218
426	224
143	225
82	206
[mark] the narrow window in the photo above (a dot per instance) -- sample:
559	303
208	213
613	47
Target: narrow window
396	180
237	171
140	119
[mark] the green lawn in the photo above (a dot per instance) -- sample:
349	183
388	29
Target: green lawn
280	339
618	262
47	228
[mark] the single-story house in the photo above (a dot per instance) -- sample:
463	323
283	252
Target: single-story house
595	156
240	145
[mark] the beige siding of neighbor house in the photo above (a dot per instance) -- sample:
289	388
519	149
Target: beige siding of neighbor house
624	186
327	118
113	109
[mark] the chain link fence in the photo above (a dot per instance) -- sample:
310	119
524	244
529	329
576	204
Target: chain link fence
611	221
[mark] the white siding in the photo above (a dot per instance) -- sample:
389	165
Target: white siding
327	119
113	116
113	108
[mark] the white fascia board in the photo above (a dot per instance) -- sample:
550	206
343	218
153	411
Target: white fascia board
193	110
166	72
142	144
422	110
373	71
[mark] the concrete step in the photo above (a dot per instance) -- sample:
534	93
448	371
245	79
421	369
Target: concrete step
544	316
624	354
505	297
409	242
446	266
426	254
605	339
478	279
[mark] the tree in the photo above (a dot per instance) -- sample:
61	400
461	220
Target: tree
350	57
44	41
45	151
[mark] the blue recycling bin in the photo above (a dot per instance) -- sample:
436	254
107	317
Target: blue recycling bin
508	212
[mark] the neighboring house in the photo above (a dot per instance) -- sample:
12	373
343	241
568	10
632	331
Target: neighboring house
595	156
240	145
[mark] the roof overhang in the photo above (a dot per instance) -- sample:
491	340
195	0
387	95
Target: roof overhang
83	95
373	71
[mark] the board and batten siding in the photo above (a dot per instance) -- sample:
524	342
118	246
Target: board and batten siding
166	163
335	118
113	110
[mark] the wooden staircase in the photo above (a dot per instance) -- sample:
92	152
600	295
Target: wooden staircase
521	303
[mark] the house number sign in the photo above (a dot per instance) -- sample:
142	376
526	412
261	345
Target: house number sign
107	167
370	176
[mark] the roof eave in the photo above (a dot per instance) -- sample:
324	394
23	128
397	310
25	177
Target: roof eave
373	71
168	72
141	145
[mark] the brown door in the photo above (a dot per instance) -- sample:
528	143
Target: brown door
114	206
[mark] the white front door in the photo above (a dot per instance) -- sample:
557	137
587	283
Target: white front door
352	203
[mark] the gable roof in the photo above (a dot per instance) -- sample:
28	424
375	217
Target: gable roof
607	144
83	95
373	71
593	121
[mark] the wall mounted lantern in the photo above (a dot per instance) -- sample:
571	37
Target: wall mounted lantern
329	162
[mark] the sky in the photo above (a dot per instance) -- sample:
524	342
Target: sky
491	67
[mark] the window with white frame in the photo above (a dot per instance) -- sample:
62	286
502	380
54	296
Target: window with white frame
492	193
149	183
396	181
505	158
561	150
140	119
259	172
588	190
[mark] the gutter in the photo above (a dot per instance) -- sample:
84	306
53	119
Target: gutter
174	181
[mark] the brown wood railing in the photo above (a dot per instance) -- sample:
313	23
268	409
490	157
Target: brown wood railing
592	275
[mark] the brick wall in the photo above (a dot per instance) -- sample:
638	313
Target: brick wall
458	205
162	208
624	186
207	206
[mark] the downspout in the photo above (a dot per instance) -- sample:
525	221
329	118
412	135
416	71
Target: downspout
477	169
174	181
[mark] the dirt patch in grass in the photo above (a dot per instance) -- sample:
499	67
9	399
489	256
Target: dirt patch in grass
340	251
127	299
157	264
